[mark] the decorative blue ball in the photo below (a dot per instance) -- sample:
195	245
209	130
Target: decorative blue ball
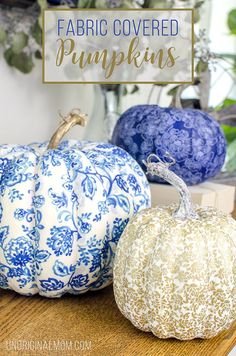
191	136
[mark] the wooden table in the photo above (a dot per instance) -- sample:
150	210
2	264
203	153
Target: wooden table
87	325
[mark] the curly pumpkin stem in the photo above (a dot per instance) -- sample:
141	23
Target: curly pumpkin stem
160	168
73	118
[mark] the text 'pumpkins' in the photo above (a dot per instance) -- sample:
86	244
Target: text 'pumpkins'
175	269
62	211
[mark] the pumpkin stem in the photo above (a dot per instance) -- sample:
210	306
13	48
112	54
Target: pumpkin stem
74	117
160	168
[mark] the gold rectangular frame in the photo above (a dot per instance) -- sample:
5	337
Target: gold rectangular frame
114	9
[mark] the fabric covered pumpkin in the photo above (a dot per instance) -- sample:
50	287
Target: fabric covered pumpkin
175	267
63	209
191	136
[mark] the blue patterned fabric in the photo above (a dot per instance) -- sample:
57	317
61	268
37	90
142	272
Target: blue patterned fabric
62	213
191	136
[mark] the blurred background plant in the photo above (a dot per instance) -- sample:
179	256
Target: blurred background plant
228	105
20	37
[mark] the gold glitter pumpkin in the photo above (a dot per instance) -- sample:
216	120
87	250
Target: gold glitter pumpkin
175	267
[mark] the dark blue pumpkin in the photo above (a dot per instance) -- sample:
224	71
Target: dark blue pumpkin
191	136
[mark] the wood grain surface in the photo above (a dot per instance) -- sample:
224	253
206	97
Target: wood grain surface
88	325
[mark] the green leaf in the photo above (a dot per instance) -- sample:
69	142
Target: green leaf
8	55
201	66
42	4
86	4
232	21
155	4
3	36
38	54
127	4
36	32
196	15
135	89
198	4
23	62
230	164
227	102
19	42
230	133
161	85
173	90
125	91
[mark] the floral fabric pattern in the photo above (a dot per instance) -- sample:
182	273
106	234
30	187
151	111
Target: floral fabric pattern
177	278
62	213
192	137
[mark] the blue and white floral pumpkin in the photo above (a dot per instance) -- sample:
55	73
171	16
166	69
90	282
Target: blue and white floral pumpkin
192	137
62	212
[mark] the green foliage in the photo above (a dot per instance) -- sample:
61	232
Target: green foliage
43	5
201	66
155	4
86	4
128	4
15	57
37	33
15	53
21	61
125	91
232	21
230	133
199	4
227	102
230	164
19	42
8	55
161	84
196	15
3	36
135	89
38	55
173	90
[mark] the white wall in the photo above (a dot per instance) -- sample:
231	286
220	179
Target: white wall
29	109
